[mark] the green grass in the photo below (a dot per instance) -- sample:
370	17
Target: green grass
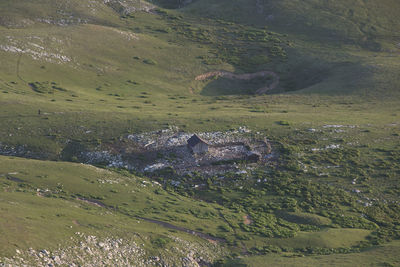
334	20
385	255
96	81
305	218
128	73
41	200
332	238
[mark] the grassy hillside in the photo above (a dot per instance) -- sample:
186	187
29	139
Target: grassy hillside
381	256
116	68
89	73
338	20
332	41
47	202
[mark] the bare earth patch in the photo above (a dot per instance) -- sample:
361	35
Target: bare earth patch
247	220
245	76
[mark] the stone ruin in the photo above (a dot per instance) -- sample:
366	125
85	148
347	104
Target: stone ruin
224	150
153	152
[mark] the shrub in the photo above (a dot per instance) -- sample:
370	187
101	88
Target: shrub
160	242
283	123
149	62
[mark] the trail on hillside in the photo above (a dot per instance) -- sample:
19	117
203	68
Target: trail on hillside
182	229
18	64
207	237
245	76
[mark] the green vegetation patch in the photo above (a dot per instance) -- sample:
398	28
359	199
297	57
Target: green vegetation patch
305	218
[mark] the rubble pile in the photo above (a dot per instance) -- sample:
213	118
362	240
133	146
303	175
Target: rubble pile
168	148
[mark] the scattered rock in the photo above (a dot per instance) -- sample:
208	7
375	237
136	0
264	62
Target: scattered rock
154	167
167	149
92	251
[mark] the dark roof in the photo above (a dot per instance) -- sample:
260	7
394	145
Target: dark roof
194	140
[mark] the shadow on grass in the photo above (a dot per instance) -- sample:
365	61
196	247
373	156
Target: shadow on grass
225	86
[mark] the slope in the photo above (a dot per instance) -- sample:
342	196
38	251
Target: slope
328	36
92	72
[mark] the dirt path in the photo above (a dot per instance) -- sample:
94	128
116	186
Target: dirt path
92	202
245	76
18	64
161	223
182	229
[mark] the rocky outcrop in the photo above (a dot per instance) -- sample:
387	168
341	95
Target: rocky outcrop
22	151
126	7
91	251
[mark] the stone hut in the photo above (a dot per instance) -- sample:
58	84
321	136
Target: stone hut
197	145
253	156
